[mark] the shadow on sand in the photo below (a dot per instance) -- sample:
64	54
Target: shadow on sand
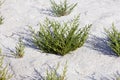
99	44
44	11
114	76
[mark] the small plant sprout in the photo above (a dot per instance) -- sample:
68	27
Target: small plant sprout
0	50
117	77
114	40
1	20
20	49
62	8
4	75
60	38
1	2
53	75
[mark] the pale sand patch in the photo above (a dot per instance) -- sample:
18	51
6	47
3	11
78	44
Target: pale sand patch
93	60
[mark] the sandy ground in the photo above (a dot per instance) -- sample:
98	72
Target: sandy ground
93	61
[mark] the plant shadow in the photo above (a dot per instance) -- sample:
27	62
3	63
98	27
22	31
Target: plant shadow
99	44
10	52
26	37
115	76
36	76
28	41
44	11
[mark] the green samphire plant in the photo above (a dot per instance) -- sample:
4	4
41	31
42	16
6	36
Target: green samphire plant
20	49
60	38
4	74
63	8
114	39
53	75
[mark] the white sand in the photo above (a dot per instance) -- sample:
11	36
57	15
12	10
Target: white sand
93	61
